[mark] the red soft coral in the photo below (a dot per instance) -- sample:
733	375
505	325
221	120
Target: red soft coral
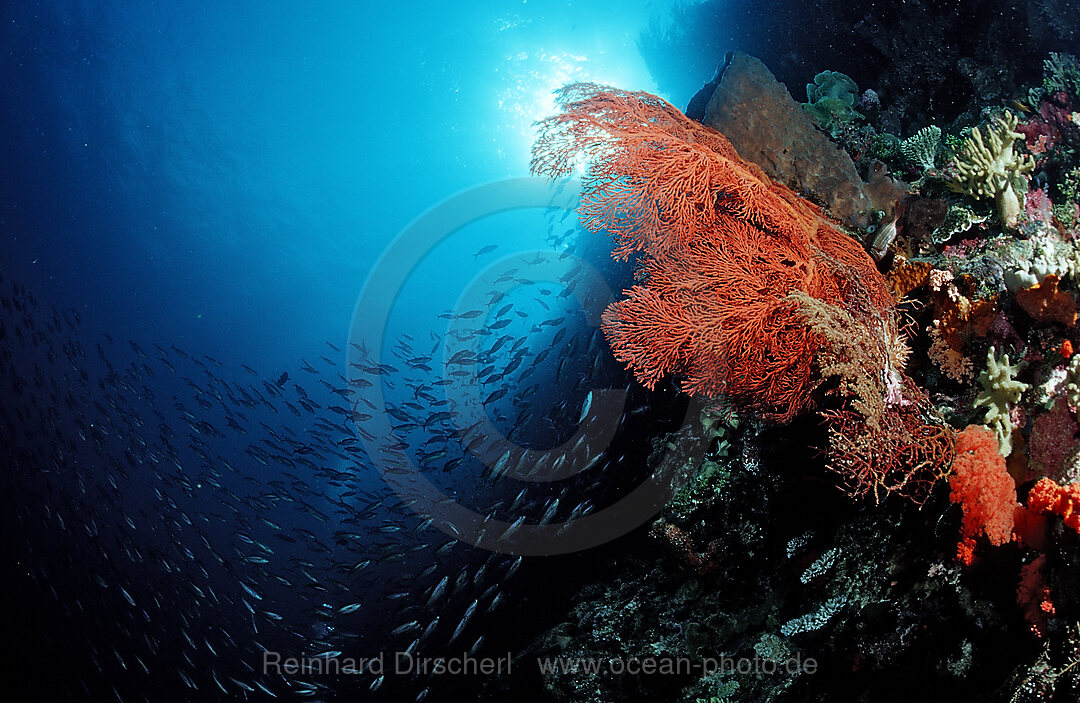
1030	528
1047	496
981	484
1033	595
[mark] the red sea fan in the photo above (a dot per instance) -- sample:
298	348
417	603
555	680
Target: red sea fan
724	249
651	178
899	450
744	290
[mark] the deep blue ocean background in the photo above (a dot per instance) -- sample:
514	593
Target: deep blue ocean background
221	176
193	197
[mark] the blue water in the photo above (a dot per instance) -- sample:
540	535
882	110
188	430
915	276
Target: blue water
223	175
194	196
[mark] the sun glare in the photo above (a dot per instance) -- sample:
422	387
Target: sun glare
527	93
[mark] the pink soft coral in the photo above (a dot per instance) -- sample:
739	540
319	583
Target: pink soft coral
1037	206
1053	446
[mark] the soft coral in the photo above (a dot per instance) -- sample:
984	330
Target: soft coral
1047	496
983	487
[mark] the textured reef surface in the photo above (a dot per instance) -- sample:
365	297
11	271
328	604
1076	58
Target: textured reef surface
872	309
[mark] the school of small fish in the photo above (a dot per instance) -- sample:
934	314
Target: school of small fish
183	518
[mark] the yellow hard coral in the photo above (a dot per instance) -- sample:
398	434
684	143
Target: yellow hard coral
991	169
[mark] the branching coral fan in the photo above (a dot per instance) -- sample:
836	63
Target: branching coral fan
745	290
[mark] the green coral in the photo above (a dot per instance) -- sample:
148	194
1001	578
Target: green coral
719	423
1065	213
814	620
831	100
1061	72
962	663
1072	382
990	169
954	143
1065	207
821	566
958	219
704	482
1000	391
771	647
725	689
921	148
884	146
701	491
1070	186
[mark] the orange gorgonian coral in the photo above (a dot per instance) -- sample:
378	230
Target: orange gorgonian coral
725	247
744	290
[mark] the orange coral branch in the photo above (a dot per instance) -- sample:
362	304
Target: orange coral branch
1033	595
724	250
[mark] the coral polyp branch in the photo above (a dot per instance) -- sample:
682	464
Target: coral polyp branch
990	168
